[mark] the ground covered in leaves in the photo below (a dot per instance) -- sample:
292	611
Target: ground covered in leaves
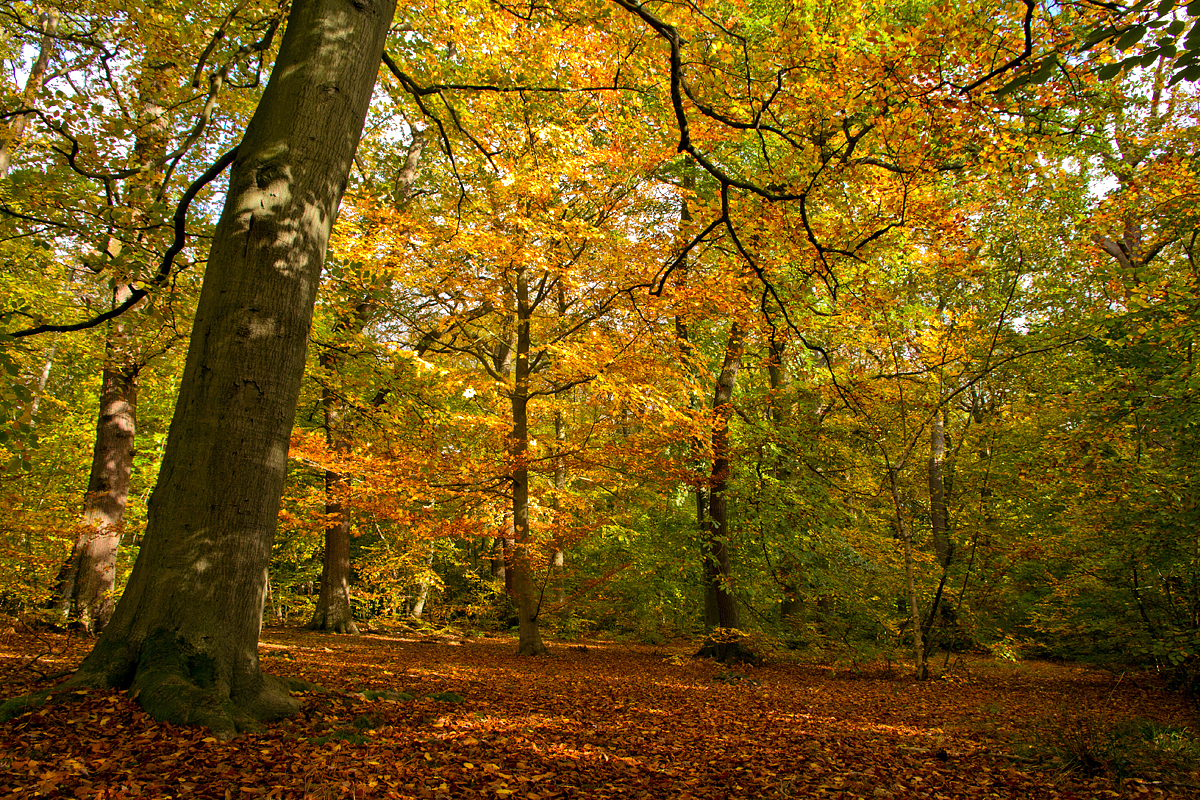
409	716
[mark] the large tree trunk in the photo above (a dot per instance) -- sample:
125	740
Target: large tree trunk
718	562
184	636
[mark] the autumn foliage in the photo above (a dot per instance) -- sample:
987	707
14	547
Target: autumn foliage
857	341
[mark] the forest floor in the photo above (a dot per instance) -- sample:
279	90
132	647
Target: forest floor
406	716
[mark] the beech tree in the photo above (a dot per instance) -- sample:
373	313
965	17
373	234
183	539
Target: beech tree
184	635
98	184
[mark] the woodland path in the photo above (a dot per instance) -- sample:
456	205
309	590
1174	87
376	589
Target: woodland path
595	720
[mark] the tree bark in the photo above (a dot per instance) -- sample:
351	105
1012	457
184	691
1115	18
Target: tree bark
84	589
184	636
791	576
558	561
37	76
687	351
84	592
521	564
333	611
718	564
905	533
424	584
938	513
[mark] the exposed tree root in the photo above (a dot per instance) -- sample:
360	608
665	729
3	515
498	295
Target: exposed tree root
346	626
729	646
174	682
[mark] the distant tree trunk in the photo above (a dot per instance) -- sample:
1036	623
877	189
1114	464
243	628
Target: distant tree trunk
424	584
712	617
37	76
790	575
522	562
558	562
938	514
333	610
184	636
39	390
905	533
718	561
687	351
498	562
708	586
88	577
939	473
84	588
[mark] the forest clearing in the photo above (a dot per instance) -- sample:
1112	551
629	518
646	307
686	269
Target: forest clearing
407	715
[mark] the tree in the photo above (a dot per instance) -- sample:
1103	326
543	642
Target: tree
184	635
96	186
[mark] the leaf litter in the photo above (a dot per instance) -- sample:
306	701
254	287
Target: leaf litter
406	718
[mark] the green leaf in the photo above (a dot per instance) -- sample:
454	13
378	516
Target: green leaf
1044	70
1190	74
1131	37
1098	35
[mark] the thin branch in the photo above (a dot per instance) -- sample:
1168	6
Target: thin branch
164	269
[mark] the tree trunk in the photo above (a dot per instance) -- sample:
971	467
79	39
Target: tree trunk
39	389
558	561
184	636
687	351
37	76
333	611
521	565
939	517
910	578
938	514
84	590
718	562
791	576
423	586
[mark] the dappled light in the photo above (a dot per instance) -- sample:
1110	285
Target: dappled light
691	398
411	719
